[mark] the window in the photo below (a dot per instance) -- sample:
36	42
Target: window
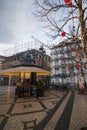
40	57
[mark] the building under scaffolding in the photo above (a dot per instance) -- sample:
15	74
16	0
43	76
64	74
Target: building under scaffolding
39	51
33	53
28	57
22	47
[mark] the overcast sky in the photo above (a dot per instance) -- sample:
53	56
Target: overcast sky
17	23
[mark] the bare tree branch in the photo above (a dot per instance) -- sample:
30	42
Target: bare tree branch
59	14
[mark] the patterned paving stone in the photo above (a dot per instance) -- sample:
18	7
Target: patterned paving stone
44	122
53	121
6	100
79	113
24	122
30	113
4	109
1	118
30	106
50	103
26	99
84	128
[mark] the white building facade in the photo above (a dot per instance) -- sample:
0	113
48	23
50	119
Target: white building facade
67	60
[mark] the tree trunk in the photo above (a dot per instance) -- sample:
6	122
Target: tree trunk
83	40
83	30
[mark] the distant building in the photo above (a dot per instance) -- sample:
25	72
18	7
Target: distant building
64	65
2	81
33	57
2	58
29	57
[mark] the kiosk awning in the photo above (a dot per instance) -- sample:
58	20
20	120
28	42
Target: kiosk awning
25	69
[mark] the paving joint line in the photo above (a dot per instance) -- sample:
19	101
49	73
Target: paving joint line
25	113
4	121
64	120
44	122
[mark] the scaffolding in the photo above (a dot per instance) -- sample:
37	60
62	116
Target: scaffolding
18	48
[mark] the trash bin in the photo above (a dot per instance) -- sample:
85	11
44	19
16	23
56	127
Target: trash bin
34	92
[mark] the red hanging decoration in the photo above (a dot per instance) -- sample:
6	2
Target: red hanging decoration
81	88
78	66
68	68
69	4
63	34
66	1
72	49
79	52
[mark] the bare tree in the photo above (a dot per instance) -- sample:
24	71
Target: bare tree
59	15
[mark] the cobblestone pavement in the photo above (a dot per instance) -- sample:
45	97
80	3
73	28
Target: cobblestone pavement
57	110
